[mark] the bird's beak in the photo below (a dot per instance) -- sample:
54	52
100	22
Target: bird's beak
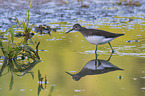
69	74
69	31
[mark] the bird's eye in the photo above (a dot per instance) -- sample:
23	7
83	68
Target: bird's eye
76	27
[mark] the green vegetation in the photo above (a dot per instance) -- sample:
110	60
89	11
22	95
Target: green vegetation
18	57
45	28
128	3
51	90
25	25
40	86
82	5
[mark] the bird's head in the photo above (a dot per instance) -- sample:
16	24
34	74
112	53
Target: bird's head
75	27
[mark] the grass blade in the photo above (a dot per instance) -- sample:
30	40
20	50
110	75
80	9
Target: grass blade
2	48
45	81
12	81
37	50
28	13
31	27
24	27
32	74
51	90
39	89
2	68
12	34
39	76
18	21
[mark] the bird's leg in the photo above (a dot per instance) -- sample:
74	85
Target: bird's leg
96	52
97	64
96	57
110	57
111	47
96	61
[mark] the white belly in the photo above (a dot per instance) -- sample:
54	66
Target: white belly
97	40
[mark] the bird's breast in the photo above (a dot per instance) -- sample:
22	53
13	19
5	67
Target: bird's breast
97	40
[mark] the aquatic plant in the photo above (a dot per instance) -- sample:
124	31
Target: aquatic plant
19	58
63	2
40	78
128	3
43	81
80	1
51	90
2	35
44	29
82	5
25	25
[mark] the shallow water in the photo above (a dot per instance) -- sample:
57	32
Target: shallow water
62	52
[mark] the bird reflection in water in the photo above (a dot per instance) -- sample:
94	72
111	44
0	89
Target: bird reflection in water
94	67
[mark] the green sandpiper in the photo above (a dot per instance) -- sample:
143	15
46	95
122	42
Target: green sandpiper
96	36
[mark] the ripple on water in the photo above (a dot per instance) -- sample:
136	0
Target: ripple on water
131	54
22	89
72	12
143	88
77	90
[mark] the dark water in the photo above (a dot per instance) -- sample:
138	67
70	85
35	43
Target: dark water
62	53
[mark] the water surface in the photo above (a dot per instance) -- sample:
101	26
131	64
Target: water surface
62	52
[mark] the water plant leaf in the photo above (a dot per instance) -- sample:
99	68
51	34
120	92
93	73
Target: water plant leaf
24	27
18	21
2	48
37	46
37	50
42	79
31	50
11	64
17	65
45	81
40	86
28	48
31	26
32	74
12	34
11	82
3	67
51	90
28	14
39	89
39	75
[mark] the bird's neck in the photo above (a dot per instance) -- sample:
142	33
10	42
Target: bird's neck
83	30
